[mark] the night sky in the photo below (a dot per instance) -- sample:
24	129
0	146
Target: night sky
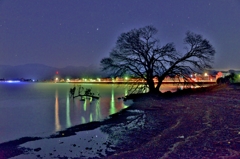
60	33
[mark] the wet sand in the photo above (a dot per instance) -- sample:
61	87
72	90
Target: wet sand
200	123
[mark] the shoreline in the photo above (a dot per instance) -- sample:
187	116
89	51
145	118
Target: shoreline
166	125
198	124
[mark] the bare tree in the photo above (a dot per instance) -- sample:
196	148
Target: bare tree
138	54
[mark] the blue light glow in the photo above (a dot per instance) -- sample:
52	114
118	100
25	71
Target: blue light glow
13	81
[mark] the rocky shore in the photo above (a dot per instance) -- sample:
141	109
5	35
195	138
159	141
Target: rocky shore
197	123
204	123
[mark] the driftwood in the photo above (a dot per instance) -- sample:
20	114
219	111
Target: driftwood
81	93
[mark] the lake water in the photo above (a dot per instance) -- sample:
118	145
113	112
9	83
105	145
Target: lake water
41	109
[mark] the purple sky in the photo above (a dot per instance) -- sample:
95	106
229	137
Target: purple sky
81	32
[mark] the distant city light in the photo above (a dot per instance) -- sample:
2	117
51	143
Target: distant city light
13	81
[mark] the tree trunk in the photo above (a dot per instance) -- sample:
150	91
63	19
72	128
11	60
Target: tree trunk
160	79
150	83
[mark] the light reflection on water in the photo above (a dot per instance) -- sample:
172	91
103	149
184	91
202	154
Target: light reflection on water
40	109
68	120
57	122
94	110
91	109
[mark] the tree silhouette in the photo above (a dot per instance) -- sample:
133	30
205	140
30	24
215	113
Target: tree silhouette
231	78
139	54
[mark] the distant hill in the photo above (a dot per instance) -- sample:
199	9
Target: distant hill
43	72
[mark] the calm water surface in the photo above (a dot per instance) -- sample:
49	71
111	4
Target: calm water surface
41	109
